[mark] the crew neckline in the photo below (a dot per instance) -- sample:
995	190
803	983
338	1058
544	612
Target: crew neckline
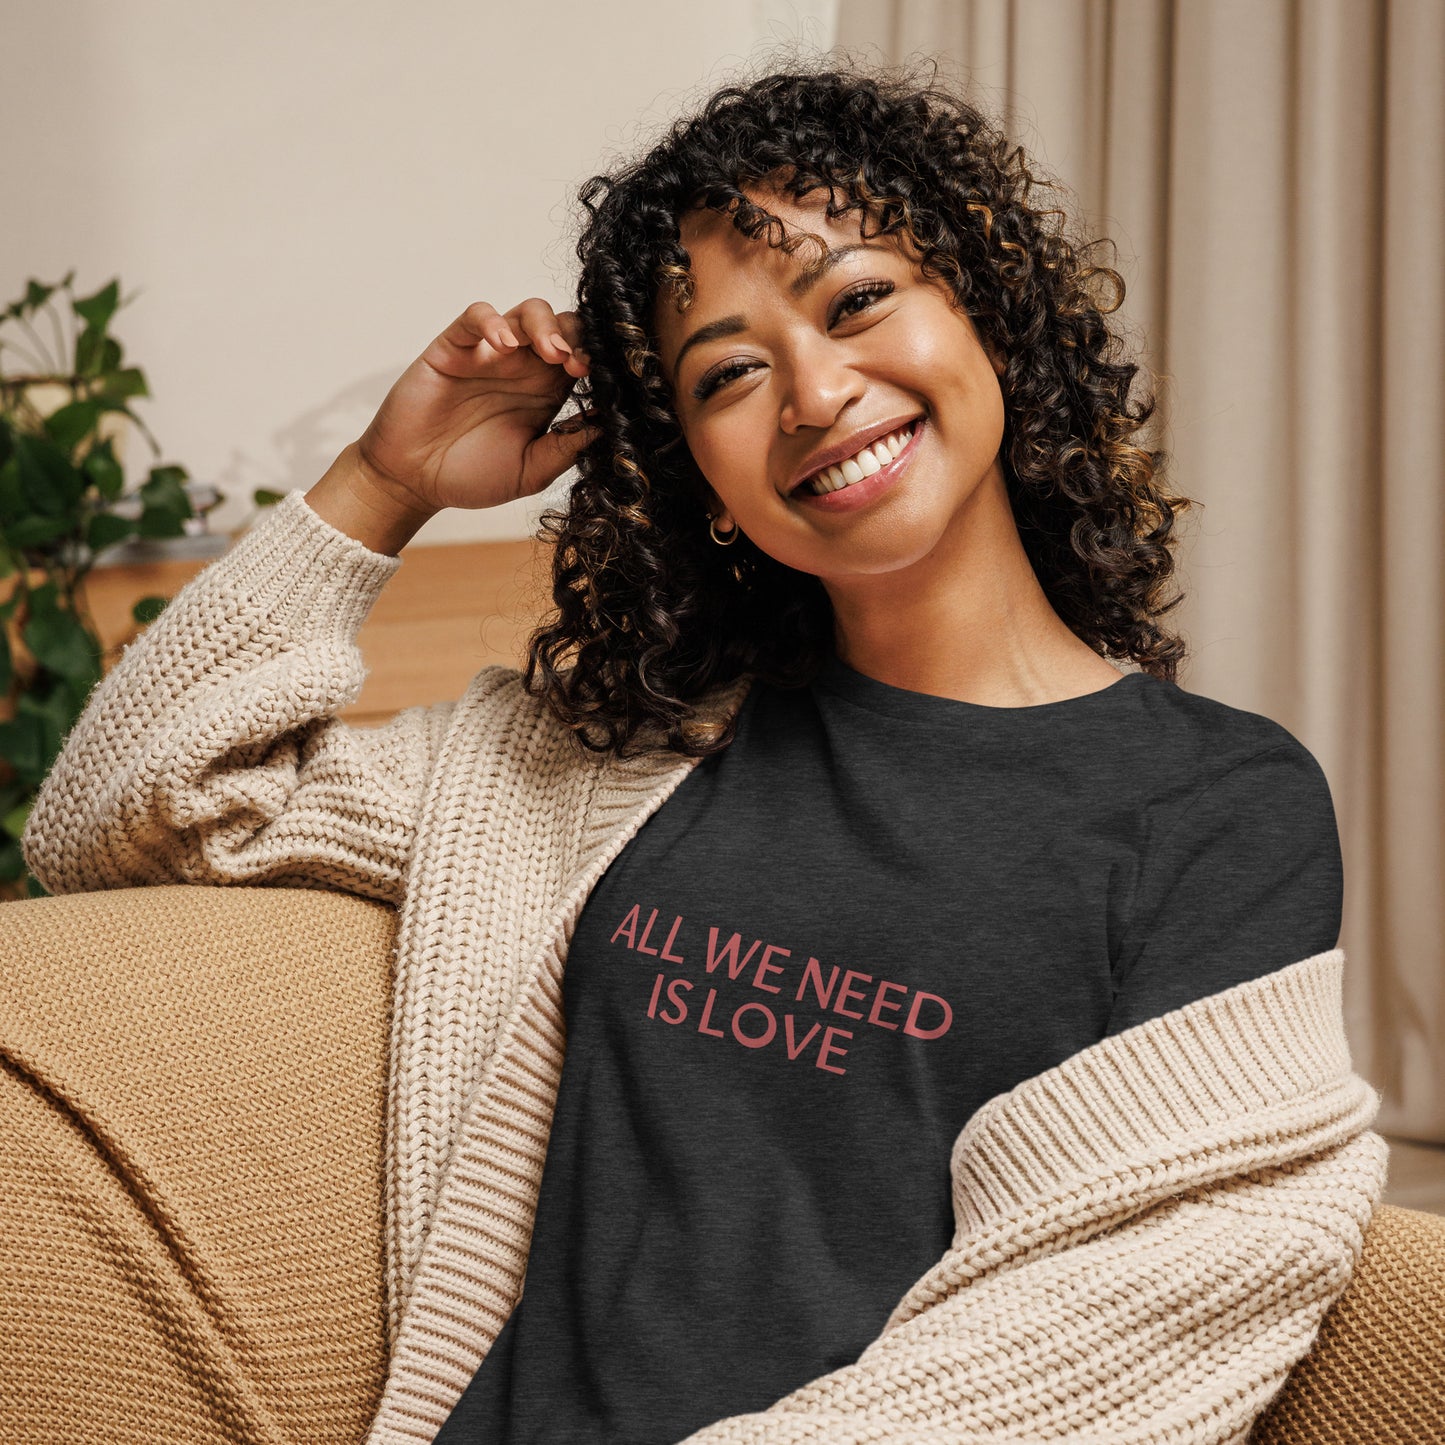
837	677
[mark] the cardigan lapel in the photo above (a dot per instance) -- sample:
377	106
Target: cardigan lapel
469	1271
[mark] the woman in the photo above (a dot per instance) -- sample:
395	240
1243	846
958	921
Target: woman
951	1024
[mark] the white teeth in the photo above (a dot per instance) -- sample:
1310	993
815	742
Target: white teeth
871	459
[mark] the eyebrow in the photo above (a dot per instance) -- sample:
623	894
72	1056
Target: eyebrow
731	325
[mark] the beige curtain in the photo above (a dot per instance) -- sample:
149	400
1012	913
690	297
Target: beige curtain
1273	172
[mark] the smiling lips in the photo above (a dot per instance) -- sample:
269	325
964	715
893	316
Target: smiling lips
864	463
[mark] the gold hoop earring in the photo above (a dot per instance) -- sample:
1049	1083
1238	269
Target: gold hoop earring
727	541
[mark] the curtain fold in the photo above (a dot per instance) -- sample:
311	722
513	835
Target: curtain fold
1273	175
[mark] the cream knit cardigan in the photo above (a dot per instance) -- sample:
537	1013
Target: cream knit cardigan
1148	1234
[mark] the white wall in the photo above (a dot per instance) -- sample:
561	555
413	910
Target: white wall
301	195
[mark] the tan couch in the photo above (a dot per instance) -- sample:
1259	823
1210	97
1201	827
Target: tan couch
191	1184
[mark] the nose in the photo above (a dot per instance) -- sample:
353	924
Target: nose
820	382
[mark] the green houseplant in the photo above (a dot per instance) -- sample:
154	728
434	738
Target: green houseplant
60	481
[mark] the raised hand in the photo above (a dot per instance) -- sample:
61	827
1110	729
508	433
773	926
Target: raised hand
468	423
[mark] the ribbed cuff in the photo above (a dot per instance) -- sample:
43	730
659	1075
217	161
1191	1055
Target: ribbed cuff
318	577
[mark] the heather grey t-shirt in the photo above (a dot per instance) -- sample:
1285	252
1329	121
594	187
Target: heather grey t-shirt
873	912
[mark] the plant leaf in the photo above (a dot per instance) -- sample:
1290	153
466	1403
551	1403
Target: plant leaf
96	310
167	506
89	352
130	381
56	713
22	745
35	529
102	468
165	483
14	821
12	795
36	295
59	641
51	484
105	529
12	494
45	595
69	699
71	422
148	609
161	522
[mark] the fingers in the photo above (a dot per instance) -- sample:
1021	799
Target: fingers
555	338
554	451
570	325
481	322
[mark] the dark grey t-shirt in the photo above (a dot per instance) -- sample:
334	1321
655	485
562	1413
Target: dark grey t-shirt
837	939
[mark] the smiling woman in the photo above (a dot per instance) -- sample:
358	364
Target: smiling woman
864	447
828	320
837	357
926	1033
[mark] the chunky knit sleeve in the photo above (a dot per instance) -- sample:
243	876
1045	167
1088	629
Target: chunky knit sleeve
210	752
1149	1236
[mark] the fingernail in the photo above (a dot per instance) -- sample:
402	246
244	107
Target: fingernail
508	337
557	341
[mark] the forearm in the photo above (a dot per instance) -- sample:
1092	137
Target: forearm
355	501
210	752
1181	1326
1150	1234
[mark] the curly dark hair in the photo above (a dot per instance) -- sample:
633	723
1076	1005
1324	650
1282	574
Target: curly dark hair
649	612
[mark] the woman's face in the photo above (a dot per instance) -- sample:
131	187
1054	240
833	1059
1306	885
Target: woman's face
774	371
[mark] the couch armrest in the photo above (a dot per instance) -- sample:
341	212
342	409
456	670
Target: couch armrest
1376	1371
192	1112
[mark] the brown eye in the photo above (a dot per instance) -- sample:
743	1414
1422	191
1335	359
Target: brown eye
868	292
715	379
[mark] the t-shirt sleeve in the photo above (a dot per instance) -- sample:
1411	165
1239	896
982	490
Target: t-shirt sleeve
1248	880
